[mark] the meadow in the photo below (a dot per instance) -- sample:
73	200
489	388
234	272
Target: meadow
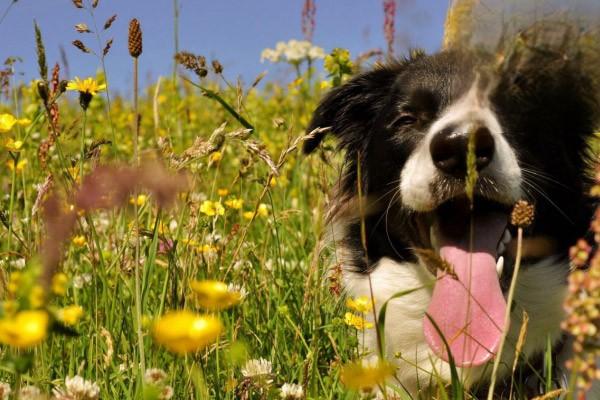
168	243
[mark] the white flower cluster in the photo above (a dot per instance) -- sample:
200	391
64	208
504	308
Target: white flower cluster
291	391
77	388
293	52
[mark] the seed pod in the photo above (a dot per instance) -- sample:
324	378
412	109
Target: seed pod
78	3
135	38
62	87
42	89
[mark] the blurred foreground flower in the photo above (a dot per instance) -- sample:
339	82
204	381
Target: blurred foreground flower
366	375
7	121
25	329
77	388
183	331
13	145
215	295
19	167
70	315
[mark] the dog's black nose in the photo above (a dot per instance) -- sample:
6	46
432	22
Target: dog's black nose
449	150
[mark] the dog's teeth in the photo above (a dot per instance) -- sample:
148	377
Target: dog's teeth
500	266
432	238
501	248
507	237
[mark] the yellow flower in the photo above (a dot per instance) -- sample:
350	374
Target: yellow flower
216	156
215	295
70	315
13	145
325	85
59	284
248	214
263	210
14	282
183	331
357	322
366	376
79	241
207	248
7	121
19	167
23	121
234	203
212	208
25	329
360	304
88	85
222	192
140	200
189	242
37	296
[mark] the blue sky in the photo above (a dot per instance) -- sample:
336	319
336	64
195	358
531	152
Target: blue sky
234	31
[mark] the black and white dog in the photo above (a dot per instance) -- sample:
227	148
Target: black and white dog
404	129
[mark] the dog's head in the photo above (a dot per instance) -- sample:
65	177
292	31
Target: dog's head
415	132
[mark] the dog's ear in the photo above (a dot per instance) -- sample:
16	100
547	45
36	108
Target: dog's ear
349	110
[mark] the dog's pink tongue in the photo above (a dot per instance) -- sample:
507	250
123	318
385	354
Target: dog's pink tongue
469	311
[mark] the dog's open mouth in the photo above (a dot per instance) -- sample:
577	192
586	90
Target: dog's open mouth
468	306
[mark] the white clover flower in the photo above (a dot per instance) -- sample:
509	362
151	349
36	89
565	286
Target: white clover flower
4	391
30	393
291	391
254	369
155	376
79	281
77	388
236	287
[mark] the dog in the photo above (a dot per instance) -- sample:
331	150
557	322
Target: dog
406	129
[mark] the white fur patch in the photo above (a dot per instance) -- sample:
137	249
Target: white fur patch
420	172
540	292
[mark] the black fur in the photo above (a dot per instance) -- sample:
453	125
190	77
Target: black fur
544	102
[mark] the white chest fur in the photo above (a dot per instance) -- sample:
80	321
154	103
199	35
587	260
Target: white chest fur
540	292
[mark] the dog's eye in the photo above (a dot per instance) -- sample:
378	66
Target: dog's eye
404	119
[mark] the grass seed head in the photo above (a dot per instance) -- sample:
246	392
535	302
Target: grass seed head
41	53
79	44
134	41
522	214
110	21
